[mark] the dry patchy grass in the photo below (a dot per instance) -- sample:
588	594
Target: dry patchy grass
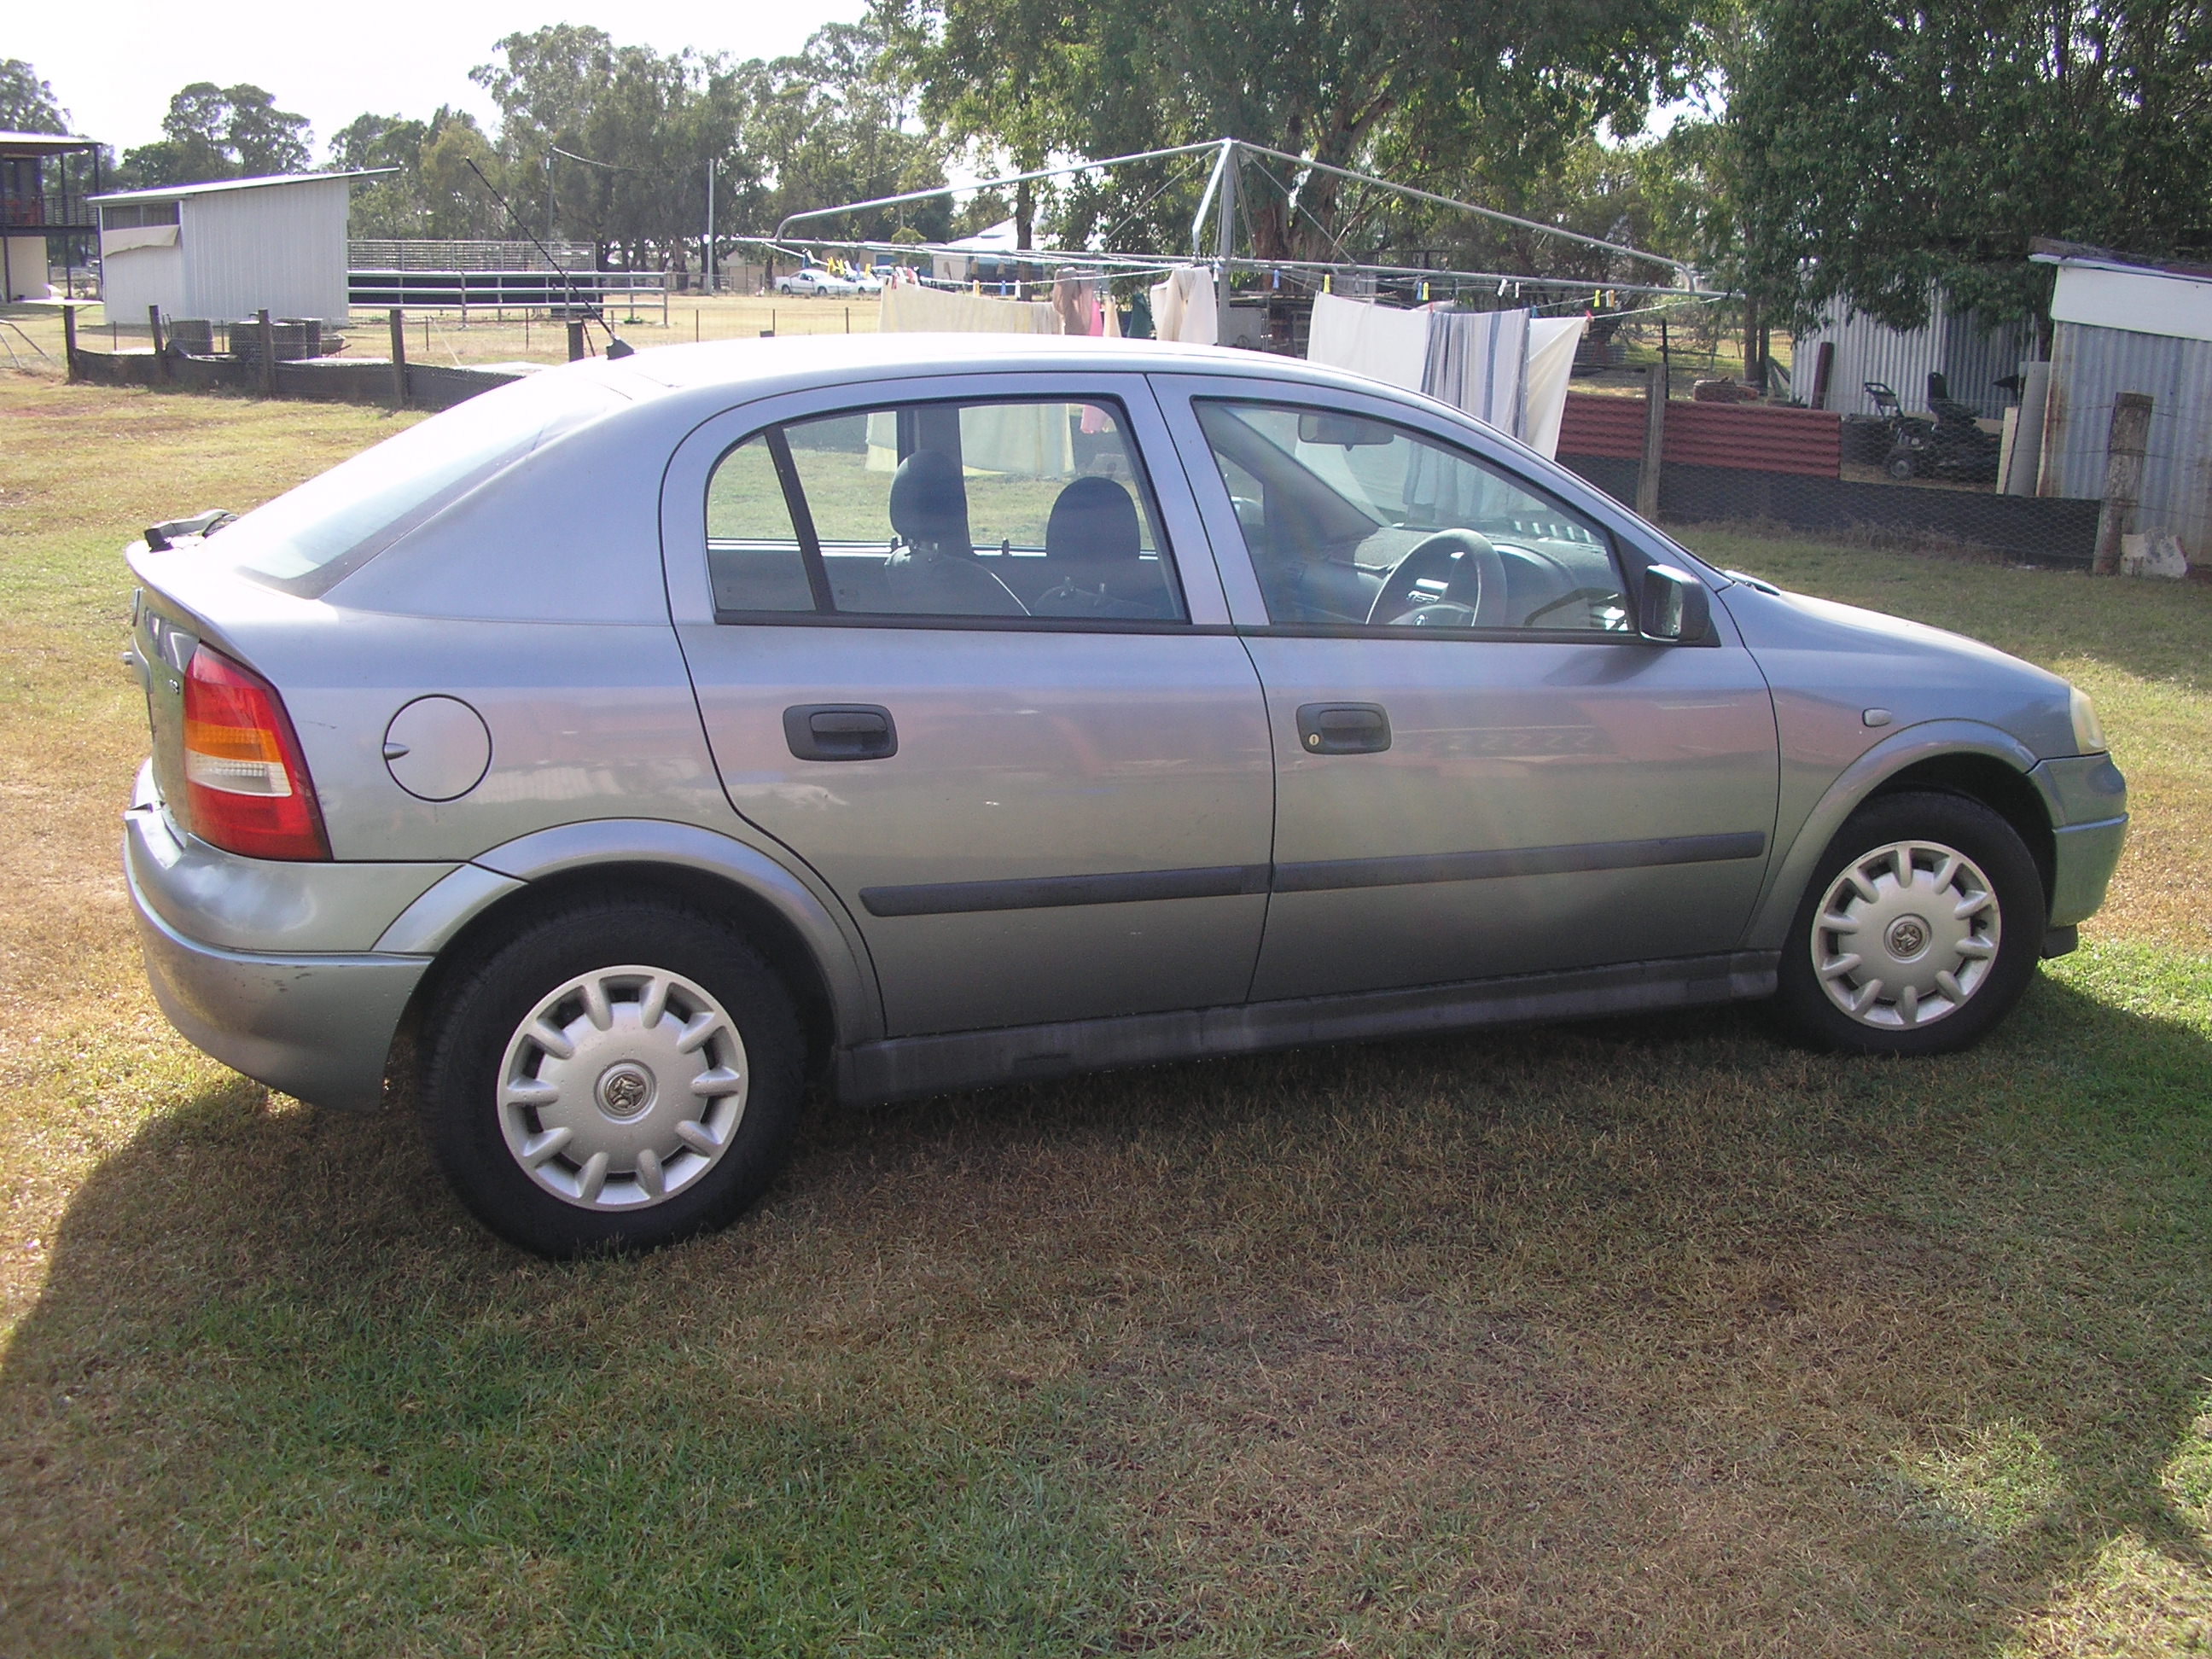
1642	1338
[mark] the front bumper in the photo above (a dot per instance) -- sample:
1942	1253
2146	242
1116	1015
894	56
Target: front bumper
315	1024
2088	802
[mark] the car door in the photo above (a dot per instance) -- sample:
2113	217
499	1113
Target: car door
959	648
1481	767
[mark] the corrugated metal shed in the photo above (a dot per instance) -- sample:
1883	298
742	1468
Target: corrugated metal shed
1973	358
2089	366
228	249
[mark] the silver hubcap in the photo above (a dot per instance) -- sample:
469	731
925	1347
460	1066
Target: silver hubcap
623	1088
1906	934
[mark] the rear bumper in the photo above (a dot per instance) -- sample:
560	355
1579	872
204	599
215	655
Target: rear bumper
316	1024
317	1027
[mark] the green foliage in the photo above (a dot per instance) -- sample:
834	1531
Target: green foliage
26	103
219	132
1888	146
434	194
1499	102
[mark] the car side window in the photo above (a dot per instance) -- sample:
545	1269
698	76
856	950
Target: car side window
753	556
1351	521
990	508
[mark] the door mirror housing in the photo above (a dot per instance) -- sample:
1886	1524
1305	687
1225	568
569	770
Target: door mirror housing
1675	609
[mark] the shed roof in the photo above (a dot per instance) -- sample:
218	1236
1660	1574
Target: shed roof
45	143
216	186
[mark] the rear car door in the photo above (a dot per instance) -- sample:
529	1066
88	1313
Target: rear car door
961	651
1481	767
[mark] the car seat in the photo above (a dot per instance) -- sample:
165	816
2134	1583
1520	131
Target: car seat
1094	550
932	570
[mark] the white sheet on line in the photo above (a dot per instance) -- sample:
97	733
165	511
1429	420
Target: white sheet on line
1380	342
1552	341
1029	441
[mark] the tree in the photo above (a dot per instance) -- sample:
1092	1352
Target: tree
26	103
1887	147
1339	81
219	132
434	193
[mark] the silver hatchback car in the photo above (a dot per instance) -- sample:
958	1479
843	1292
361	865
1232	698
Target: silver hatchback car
618	751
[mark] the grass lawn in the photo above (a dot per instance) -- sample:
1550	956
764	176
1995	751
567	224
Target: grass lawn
1648	1337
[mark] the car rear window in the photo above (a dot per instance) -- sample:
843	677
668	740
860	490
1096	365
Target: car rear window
308	538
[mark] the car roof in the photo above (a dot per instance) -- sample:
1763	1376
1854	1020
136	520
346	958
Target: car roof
760	367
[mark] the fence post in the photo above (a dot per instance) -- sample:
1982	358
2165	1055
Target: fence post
2123	462
69	341
268	352
576	351
1655	438
160	357
398	359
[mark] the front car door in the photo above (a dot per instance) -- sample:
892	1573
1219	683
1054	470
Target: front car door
959	649
1482	769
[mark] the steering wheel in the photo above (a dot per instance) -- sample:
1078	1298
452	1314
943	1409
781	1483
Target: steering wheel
1453	579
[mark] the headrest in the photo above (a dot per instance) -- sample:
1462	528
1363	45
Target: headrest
929	503
1093	518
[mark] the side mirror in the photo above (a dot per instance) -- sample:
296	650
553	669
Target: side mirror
1675	609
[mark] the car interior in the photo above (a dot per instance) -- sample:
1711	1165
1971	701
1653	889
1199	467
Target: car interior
1360	522
1029	509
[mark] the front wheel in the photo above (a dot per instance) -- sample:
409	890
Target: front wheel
617	1077
1920	929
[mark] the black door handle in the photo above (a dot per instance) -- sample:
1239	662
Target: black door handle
840	732
1343	728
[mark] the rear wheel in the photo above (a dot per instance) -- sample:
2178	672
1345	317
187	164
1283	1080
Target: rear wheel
1920	929
617	1077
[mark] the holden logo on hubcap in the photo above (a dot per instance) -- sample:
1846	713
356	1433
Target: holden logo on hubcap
1908	937
625	1090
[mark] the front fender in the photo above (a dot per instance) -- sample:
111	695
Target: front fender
1930	740
812	911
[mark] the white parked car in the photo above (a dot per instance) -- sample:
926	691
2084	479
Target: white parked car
813	279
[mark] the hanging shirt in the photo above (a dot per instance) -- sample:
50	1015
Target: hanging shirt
1183	306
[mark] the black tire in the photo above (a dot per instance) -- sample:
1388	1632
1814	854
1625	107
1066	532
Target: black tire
1901	465
482	1067
1995	861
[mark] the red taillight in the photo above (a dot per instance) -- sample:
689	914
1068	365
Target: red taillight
244	775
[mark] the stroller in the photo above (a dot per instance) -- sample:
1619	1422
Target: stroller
1952	445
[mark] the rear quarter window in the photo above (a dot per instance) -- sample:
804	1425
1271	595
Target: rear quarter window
308	538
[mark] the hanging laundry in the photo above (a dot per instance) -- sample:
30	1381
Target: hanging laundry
1476	362
1551	343
1377	341
1031	440
916	310
1183	306
1073	299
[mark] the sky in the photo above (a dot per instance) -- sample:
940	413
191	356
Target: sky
114	68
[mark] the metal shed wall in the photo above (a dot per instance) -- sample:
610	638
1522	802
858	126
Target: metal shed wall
135	278
2089	366
1973	360
281	247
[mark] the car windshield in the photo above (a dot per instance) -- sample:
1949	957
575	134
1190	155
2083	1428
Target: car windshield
304	540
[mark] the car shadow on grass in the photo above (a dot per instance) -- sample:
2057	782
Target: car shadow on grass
1645	1336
